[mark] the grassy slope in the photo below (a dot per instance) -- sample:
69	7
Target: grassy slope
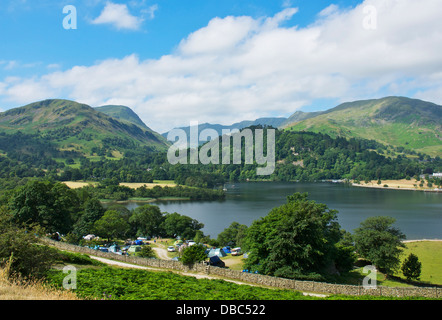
409	123
75	126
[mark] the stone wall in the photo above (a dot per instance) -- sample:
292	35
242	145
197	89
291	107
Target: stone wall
308	286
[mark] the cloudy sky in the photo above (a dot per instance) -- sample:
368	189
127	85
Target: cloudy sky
218	61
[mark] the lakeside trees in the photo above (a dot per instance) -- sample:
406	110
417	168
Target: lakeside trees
296	239
56	208
300	239
299	156
379	242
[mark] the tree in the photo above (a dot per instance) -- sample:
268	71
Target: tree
297	238
20	248
233	235
50	205
147	220
193	254
377	241
147	252
93	211
412	267
176	224
111	225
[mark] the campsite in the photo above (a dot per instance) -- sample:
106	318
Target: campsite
169	249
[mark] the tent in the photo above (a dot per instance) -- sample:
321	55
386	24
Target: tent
216	252
216	261
134	249
226	249
114	248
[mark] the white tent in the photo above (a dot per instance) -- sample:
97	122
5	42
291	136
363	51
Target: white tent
216	252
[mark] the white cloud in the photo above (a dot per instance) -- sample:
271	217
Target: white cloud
240	68
119	16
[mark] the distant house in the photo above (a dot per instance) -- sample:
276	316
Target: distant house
437	175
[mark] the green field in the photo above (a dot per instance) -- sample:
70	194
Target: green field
430	255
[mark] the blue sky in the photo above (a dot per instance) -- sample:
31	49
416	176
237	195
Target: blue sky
32	32
219	61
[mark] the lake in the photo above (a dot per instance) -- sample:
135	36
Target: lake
418	214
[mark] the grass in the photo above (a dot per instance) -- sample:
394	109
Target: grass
19	289
403	184
362	123
133	185
430	255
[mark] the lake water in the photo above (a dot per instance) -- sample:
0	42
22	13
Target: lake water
417	214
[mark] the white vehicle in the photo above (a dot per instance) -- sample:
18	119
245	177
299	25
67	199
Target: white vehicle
236	251
171	249
191	243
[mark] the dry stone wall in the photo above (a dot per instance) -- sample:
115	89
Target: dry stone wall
307	286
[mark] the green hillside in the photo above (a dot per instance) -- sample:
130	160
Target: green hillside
397	121
78	127
123	114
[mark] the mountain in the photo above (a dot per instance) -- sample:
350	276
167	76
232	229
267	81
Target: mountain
397	121
79	127
123	114
274	122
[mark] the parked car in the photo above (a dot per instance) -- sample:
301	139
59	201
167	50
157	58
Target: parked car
171	248
236	251
191	243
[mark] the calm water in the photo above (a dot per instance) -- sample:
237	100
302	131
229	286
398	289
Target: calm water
417	214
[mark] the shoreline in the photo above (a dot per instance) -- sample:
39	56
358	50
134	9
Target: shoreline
143	201
395	185
422	240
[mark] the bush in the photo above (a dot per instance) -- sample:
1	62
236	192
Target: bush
147	252
193	254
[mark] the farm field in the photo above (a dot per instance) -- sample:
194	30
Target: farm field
396	184
133	185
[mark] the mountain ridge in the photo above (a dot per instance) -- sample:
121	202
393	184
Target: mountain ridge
77	126
398	121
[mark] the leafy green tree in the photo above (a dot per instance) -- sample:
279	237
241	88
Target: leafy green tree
176	224
50	205
193	254
233	235
21	248
111	225
411	267
147	220
93	211
377	241
297	238
147	252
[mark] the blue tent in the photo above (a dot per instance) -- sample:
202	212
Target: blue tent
216	261
227	249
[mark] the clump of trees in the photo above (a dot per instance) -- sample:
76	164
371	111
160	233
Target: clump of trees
56	208
298	239
302	239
